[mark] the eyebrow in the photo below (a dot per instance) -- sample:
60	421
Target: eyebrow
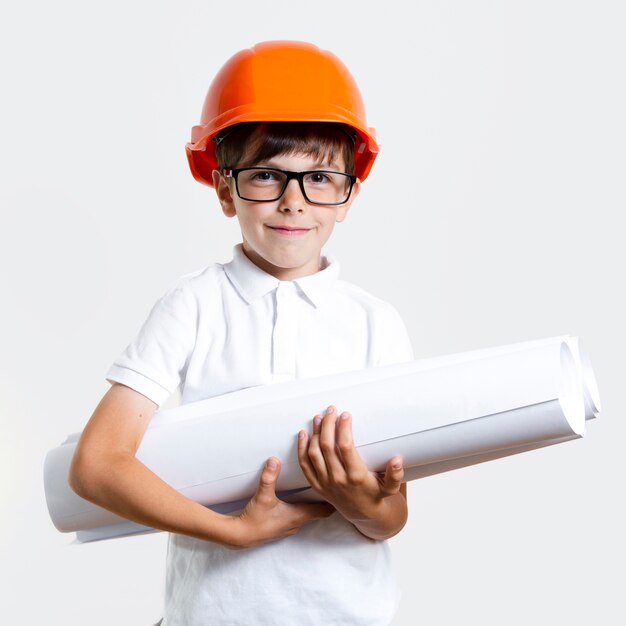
320	165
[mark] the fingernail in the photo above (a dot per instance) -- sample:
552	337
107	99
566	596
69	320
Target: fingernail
317	420
397	465
345	415
301	435
330	409
271	464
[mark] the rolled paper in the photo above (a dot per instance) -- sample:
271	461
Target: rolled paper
590	386
439	414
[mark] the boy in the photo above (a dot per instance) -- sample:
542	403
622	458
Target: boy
285	145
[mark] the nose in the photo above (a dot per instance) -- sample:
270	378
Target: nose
292	200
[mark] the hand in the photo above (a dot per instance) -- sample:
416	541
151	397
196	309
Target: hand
266	517
334	468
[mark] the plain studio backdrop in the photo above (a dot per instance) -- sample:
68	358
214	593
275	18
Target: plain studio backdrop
494	214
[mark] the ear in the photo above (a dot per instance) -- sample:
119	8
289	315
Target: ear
224	194
342	210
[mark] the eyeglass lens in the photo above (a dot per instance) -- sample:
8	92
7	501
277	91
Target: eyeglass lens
319	187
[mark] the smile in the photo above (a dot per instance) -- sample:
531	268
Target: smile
289	231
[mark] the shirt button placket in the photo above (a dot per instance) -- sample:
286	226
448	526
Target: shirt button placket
284	336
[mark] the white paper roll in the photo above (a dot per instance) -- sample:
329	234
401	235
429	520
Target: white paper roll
439	414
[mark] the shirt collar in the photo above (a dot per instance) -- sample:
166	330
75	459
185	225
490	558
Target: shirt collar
317	287
251	282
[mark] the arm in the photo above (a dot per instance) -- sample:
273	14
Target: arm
375	504
105	471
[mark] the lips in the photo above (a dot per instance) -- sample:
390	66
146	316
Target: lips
290	231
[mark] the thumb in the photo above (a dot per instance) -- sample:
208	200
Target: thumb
394	474
266	490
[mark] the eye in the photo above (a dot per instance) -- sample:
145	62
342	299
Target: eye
317	178
264	176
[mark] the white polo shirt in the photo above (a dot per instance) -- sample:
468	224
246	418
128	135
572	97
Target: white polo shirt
231	326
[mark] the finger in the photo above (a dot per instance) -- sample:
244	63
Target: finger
316	456
266	491
352	460
317	423
394	475
328	445
305	463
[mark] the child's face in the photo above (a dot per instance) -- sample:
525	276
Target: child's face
284	237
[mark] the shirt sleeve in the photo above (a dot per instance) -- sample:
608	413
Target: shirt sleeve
154	363
394	344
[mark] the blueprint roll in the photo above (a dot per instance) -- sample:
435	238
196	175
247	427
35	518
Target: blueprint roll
456	409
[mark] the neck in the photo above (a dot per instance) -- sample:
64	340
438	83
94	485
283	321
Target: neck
312	266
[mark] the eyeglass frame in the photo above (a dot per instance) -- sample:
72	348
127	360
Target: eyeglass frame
299	176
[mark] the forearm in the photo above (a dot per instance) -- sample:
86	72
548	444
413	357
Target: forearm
105	471
122	484
380	521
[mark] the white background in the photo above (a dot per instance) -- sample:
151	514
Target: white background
494	214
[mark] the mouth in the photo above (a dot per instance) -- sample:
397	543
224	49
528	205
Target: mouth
290	231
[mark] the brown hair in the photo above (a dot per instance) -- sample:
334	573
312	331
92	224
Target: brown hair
260	141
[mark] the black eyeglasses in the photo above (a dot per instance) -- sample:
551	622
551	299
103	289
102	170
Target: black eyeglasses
266	184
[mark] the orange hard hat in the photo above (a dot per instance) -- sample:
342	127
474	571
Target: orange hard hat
280	81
